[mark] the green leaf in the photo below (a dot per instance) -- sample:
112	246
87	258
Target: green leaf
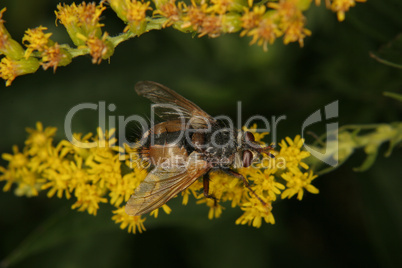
396	139
393	95
368	162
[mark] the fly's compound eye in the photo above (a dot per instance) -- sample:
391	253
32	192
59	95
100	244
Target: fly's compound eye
248	136
247	158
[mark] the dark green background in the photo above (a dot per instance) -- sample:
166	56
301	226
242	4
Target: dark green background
355	220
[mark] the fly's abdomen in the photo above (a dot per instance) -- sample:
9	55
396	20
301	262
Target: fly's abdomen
165	143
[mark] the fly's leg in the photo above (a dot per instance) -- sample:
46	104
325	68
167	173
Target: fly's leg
239	176
205	180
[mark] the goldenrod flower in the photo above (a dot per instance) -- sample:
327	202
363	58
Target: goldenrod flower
82	19
291	21
51	54
297	182
39	137
165	208
18	172
99	48
192	190
286	9
291	151
9	176
17	161
132	12
136	14
211	26
88	198
36	39
204	20
265	32
29	184
251	19
55	56
296	32
10	68
215	211
169	10
132	223
255	212
195	16
266	181
342	6
221	6
264	22
73	148
97	175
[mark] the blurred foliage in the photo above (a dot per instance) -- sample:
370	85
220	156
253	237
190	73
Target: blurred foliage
349	138
390	53
355	220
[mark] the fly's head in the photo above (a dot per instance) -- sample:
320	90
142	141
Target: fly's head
248	149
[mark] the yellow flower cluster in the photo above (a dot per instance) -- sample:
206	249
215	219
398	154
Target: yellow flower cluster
52	55
95	174
92	176
340	6
264	22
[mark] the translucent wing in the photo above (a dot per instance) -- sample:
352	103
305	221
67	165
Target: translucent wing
172	105
161	185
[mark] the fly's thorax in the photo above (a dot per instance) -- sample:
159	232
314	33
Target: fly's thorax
220	146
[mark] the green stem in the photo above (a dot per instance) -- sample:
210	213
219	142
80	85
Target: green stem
116	40
377	58
154	24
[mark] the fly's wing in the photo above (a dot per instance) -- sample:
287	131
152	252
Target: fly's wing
172	105
161	185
